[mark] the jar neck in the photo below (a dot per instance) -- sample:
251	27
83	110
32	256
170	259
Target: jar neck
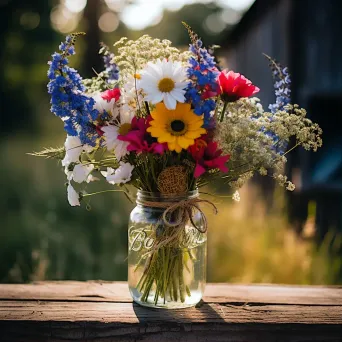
145	197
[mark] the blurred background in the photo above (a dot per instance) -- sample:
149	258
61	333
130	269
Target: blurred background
269	236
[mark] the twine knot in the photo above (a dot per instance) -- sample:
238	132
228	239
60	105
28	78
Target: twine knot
183	211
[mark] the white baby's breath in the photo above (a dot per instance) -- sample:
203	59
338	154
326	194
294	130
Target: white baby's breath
236	196
133	55
257	140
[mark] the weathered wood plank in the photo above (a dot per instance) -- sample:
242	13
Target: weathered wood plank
216	293
196	332
132	313
103	312
57	321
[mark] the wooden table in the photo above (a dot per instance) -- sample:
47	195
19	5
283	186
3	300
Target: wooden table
103	311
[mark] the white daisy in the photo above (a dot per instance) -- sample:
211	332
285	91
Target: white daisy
132	97
73	149
111	133
121	175
81	172
102	104
109	172
164	81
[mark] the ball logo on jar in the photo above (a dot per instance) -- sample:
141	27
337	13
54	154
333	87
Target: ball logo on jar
144	238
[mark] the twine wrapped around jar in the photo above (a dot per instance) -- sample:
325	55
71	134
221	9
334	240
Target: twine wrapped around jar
181	211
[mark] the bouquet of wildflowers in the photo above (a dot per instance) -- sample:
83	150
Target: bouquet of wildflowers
169	122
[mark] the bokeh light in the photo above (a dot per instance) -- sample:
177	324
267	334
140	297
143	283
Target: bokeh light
138	16
30	20
75	6
63	20
230	17
108	22
142	13
214	24
115	5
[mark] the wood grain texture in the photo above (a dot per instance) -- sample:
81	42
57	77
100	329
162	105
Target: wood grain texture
102	311
100	291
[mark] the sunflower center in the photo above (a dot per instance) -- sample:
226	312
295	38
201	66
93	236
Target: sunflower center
177	126
125	128
166	84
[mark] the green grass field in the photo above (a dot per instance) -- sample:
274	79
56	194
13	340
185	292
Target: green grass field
42	237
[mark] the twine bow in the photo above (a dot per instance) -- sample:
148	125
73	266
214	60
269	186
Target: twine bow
183	211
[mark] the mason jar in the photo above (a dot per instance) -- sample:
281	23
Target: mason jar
166	260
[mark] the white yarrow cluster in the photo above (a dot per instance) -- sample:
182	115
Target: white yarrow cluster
133	55
255	139
236	196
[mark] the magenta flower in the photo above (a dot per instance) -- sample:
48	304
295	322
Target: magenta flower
141	141
207	156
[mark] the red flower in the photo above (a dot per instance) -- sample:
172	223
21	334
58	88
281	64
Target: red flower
207	156
141	141
99	130
233	86
209	92
110	94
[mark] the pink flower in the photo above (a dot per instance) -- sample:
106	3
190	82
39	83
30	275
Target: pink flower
141	141
110	94
207	156
233	86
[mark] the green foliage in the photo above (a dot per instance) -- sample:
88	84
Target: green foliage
50	153
42	237
248	243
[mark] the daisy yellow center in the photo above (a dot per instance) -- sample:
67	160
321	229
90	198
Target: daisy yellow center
166	85
125	128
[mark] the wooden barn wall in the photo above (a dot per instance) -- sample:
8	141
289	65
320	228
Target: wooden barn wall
317	85
317	47
270	35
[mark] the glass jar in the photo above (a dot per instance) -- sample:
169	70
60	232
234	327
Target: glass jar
166	261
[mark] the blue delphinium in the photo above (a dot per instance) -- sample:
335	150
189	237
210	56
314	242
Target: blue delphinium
111	69
282	82
203	74
67	95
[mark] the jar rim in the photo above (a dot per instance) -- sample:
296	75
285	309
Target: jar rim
158	196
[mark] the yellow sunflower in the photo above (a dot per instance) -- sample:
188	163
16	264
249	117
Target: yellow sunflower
178	127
